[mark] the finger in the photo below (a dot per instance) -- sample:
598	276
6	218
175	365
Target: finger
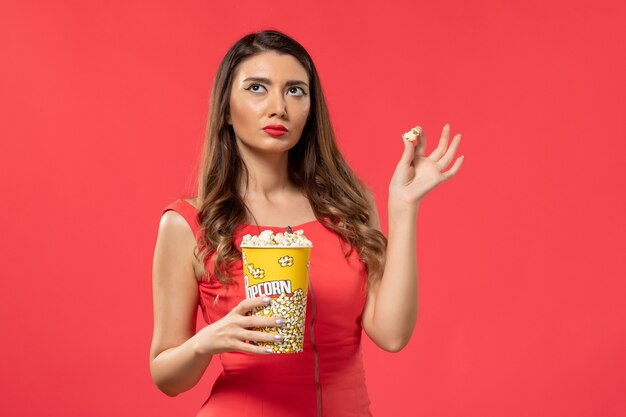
409	151
420	146
447	157
256	321
250	348
251	303
258	336
421	142
454	169
443	144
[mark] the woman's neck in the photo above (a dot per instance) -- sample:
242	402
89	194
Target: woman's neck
268	176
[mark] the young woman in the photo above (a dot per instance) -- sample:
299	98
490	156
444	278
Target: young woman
270	161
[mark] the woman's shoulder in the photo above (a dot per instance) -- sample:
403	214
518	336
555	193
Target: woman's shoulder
180	212
177	239
193	202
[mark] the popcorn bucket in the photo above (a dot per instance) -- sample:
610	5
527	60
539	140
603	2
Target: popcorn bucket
281	273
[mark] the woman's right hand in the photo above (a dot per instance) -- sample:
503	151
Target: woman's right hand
231	331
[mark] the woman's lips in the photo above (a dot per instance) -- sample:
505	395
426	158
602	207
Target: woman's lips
274	132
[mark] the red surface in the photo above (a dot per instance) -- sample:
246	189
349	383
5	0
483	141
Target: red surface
521	266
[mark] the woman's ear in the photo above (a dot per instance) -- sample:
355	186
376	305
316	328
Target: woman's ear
228	119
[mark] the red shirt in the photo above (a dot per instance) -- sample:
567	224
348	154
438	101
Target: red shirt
327	378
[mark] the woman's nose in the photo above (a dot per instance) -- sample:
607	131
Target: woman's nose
277	105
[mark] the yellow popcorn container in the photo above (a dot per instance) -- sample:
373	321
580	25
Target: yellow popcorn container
281	273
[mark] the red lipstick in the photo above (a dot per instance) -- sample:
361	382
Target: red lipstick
275	130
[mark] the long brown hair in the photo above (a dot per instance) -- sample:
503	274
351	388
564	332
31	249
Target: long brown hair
315	166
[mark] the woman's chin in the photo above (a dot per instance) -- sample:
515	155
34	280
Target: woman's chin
271	146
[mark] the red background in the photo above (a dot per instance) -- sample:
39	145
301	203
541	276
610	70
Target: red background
521	255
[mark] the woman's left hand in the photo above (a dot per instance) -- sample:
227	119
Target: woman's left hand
416	174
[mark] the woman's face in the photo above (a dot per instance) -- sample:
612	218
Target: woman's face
269	89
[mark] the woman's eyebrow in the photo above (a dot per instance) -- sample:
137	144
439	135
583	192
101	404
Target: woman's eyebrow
267	81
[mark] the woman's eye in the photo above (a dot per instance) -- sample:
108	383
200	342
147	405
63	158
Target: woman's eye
253	87
302	93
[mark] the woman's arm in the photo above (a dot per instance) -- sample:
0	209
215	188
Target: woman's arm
179	356
390	311
175	364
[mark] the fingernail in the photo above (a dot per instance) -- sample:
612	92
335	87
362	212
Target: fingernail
280	321
266	300
269	350
279	337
